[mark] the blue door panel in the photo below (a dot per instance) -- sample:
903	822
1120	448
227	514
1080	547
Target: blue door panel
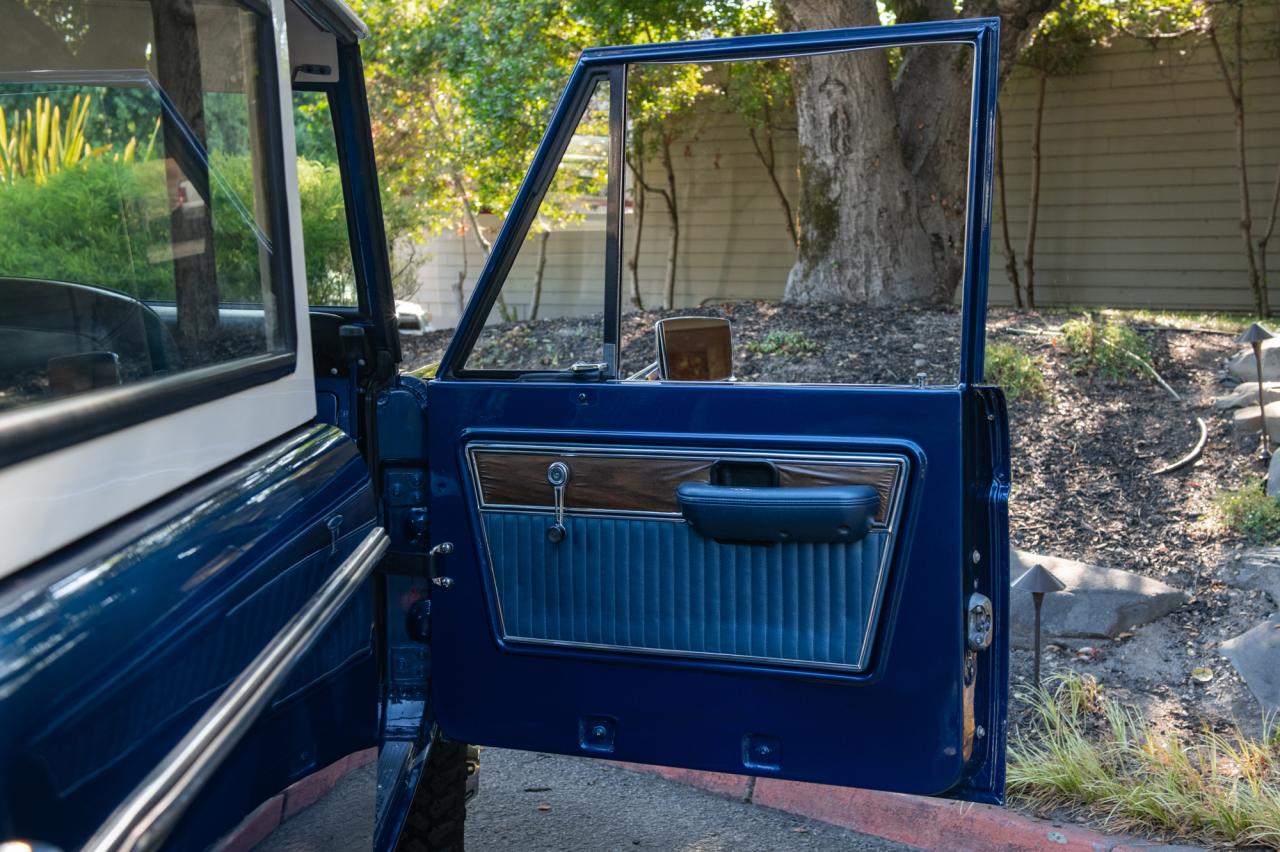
656	586
923	713
897	725
110	650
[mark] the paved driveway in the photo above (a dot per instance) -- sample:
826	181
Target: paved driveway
534	802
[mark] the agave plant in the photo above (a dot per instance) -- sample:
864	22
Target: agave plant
42	144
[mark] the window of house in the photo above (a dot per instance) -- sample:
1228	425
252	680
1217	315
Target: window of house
139	187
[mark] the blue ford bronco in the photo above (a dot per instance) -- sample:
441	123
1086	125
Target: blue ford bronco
239	546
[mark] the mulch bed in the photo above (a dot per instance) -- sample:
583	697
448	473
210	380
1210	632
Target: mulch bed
1083	458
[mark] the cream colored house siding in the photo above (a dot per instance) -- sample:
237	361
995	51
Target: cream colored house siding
1139	191
1139	197
744	255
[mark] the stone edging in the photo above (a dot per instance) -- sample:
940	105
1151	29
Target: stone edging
283	806
917	821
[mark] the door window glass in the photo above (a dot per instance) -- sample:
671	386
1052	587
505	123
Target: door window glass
548	315
331	274
139	227
785	196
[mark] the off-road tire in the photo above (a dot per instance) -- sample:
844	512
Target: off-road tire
439	811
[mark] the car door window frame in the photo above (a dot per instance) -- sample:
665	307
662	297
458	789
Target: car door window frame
582	85
56	424
981	34
366	229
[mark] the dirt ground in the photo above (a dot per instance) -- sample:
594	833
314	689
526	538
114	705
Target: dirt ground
1084	462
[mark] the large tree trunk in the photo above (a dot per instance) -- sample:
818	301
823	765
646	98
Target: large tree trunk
884	160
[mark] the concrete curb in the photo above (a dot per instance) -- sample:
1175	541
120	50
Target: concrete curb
916	821
283	806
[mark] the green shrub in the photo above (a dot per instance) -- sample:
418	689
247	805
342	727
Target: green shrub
1104	347
1015	371
1251	513
784	343
107	223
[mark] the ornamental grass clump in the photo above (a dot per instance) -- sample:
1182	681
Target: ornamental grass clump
1079	748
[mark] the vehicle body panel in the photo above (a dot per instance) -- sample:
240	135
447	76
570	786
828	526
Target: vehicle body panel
113	648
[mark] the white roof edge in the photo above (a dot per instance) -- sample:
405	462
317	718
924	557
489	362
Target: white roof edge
337	17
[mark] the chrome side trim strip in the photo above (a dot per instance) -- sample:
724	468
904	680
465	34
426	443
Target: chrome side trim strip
143	821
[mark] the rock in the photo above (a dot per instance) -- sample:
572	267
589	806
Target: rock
1256	655
1241	365
1097	602
1256	569
1248	420
1247	394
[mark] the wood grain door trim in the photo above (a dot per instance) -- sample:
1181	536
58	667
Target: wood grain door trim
635	481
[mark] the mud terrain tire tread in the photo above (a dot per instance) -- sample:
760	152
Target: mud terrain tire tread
439	810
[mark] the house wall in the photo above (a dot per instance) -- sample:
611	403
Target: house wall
733	236
1139	197
1139	190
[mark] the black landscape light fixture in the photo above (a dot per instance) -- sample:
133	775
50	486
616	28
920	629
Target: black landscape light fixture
1254	335
1039	581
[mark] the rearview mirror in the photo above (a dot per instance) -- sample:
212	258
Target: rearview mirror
694	349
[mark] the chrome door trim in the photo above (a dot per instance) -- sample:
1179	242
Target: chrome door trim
143	821
851	458
570	449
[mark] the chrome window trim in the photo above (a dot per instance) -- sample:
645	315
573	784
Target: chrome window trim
145	818
888	529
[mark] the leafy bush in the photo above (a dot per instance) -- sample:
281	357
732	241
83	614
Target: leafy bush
1250	512
1106	347
1016	371
106	223
784	343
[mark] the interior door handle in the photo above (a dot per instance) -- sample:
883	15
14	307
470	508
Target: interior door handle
838	513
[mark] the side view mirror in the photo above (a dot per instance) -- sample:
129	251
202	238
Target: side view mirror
694	349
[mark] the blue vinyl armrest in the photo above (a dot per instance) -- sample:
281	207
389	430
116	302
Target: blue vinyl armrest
839	513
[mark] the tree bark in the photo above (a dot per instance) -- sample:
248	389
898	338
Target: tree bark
195	276
1235	92
1033	197
767	156
535	297
633	265
673	241
460	281
1010	258
884	160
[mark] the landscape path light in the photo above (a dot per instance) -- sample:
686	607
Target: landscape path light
1039	581
1254	335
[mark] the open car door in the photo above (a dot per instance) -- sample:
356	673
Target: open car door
802	581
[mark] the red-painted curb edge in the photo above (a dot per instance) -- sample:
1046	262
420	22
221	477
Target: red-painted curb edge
282	807
918	821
